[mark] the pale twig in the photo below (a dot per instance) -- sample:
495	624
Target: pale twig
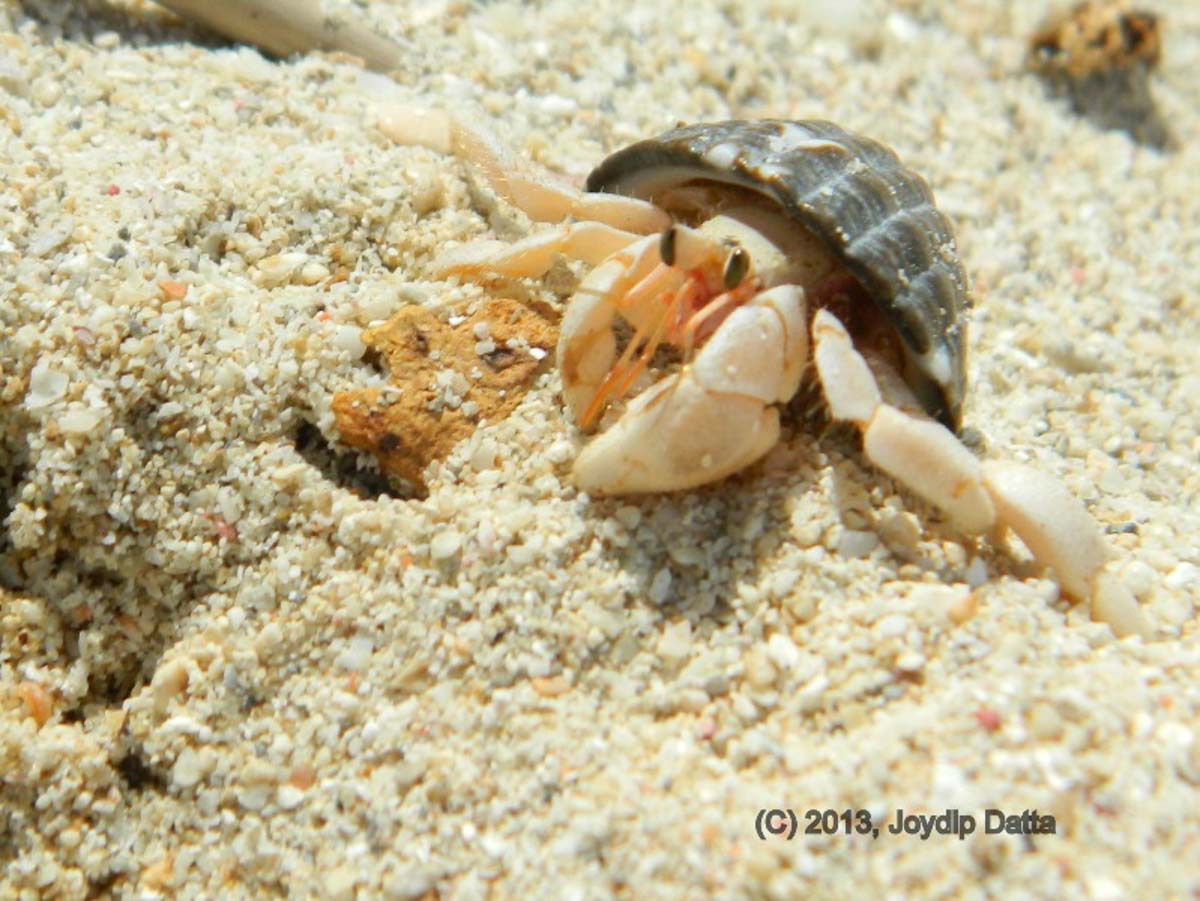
284	27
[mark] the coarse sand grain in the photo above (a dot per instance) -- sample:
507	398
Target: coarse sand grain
233	665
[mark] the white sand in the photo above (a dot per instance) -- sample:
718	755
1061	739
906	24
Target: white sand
576	698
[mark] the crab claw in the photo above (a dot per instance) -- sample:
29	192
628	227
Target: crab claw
713	418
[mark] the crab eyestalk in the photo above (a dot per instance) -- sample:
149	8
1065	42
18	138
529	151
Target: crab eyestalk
737	266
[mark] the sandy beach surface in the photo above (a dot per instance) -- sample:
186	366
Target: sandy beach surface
233	665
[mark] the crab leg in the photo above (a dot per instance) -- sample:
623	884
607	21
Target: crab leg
607	222
978	497
591	242
540	196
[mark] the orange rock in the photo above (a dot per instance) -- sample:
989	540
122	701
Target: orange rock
1097	36
172	290
38	701
439	369
158	876
302	776
550	686
1099	54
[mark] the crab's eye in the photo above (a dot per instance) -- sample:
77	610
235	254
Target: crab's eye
666	246
737	264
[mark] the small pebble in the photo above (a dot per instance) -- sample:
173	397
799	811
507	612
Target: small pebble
1139	578
550	686
172	290
170	680
675	643
783	651
686	554
312	273
254	797
1182	575
891	626
989	719
191	767
38	702
357	654
348	338
806	533
760	672
855	543
1045	724
781	583
445	545
560	452
289	797
977	572
660	586
558	105
962	606
279	269
79	421
628	516
483	457
51	239
302	776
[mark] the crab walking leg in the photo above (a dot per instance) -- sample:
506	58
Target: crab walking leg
542	197
979	498
715	416
1058	531
591	242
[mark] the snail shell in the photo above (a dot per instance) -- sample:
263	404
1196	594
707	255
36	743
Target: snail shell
875	217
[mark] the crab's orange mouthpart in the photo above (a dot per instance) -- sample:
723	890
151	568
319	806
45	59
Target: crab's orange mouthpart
686	316
648	338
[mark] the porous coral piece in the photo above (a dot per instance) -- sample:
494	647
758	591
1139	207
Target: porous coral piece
1099	55
445	380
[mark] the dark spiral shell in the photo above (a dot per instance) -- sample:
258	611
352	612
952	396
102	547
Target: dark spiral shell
875	216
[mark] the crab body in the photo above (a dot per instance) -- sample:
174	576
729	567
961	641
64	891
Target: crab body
874	216
755	249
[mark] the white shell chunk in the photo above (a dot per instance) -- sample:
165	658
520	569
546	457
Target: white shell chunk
46	386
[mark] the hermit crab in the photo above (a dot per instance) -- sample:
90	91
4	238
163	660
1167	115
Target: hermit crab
754	249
